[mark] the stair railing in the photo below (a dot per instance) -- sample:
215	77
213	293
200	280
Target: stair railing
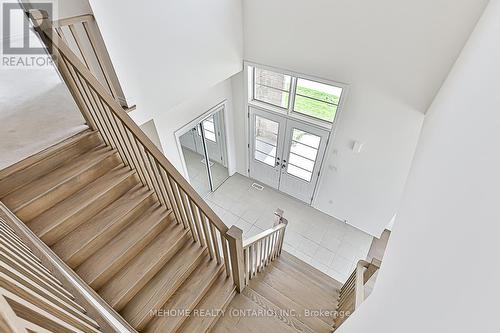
39	292
137	151
251	256
81	33
352	293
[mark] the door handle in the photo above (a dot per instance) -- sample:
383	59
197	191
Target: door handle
277	163
283	164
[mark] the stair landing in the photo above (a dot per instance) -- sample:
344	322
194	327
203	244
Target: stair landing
289	296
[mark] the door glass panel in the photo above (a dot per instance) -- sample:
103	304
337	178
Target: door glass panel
303	150
266	140
306	138
303	162
298	172
303	153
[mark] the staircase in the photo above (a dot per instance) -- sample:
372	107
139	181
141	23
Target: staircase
132	237
94	213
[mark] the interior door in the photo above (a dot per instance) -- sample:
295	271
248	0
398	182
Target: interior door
303	153
266	146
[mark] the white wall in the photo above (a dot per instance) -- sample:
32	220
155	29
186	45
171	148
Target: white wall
440	272
166	52
394	55
175	118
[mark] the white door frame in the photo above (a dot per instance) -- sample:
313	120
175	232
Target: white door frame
222	107
332	128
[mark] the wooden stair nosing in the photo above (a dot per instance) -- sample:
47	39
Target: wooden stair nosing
163	285
62	182
126	283
35	166
216	300
186	297
84	240
284	302
67	215
101	266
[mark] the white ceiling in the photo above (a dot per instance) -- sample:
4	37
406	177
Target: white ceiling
402	48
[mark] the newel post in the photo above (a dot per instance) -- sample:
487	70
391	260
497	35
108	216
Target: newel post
235	239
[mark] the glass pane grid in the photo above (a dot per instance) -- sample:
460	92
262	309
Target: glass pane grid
317	100
271	87
303	152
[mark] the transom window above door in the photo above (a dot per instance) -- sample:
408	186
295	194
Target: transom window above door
298	96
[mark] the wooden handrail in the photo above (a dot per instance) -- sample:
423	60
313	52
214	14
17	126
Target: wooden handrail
72	20
106	316
65	51
254	239
250	256
104	114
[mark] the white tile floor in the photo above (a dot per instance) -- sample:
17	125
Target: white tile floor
324	242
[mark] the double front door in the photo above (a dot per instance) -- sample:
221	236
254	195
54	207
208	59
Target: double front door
286	154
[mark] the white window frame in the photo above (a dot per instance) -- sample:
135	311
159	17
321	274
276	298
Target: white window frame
289	113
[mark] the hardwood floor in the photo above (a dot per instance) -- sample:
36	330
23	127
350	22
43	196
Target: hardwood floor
286	297
96	215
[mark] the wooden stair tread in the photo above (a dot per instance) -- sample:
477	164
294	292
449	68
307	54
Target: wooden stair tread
215	301
281	301
134	276
67	179
308	276
162	286
108	260
249	324
186	297
65	216
314	274
97	230
33	167
296	289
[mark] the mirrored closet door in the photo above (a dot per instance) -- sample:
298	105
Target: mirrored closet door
206	141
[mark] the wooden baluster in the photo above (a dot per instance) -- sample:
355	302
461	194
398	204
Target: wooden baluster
154	178
235	239
251	260
78	43
215	242
204	224
246	255
92	39
190	219
196	222
174	186
282	237
130	139
266	249
170	194
226	255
